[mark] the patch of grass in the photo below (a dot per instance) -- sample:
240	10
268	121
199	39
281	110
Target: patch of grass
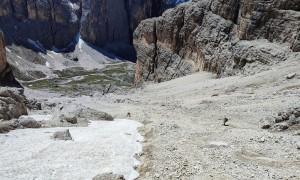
110	72
93	79
45	84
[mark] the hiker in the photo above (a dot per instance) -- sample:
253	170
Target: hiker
128	114
225	121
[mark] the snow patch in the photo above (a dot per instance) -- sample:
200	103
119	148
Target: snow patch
79	41
218	143
8	50
47	64
50	55
101	147
37	44
19	57
39	117
42	55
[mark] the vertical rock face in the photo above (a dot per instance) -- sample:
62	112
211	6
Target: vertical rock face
107	22
12	100
6	75
277	21
217	36
51	22
113	21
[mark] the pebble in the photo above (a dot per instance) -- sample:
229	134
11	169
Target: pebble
291	76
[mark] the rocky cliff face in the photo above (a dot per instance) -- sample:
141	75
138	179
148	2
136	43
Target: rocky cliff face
111	22
53	23
12	100
225	37
6	75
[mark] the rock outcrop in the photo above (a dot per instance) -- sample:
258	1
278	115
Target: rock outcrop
12	103
224	37
62	135
52	23
12	100
6	75
108	176
111	23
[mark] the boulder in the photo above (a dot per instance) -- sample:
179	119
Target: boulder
12	103
108	176
281	126
266	123
291	76
29	123
62	135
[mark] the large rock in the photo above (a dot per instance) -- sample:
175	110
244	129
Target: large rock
12	103
217	36
53	23
6	75
109	176
62	135
111	23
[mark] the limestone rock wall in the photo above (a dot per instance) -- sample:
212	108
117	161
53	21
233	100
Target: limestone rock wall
111	23
6	75
223	37
54	23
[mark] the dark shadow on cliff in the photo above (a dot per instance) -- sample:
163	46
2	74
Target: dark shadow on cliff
121	51
10	81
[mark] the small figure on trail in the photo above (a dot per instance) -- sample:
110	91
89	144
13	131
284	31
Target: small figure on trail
225	121
128	114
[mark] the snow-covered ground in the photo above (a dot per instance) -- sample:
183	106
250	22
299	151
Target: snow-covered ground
101	147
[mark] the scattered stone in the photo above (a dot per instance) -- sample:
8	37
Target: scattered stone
62	135
285	116
281	126
33	104
278	119
266	123
298	145
5	127
291	76
109	176
72	120
262	140
29	123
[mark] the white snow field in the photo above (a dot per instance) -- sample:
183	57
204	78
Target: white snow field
103	146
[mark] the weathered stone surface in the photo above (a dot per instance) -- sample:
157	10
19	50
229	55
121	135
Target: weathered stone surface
224	37
50	22
29	123
109	176
6	75
111	23
62	135
12	103
71	118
